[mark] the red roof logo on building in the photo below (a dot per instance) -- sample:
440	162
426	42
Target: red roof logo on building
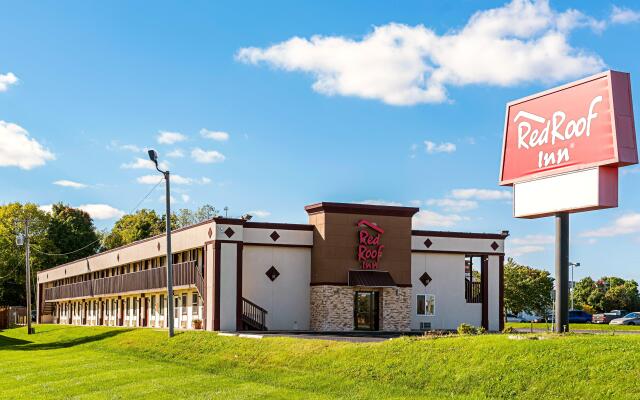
369	247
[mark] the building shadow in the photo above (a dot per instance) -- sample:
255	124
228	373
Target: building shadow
7	343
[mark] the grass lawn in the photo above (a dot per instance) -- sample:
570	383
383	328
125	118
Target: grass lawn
65	362
586	327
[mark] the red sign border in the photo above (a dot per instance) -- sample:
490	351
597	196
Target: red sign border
571	168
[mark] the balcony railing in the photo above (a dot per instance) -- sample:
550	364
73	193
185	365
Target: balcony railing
473	291
186	273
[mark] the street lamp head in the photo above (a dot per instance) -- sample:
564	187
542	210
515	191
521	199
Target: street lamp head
247	217
153	156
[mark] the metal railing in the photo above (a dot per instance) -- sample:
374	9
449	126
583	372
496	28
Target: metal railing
186	273
473	291
253	315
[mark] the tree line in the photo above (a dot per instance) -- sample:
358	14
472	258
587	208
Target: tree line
528	289
56	235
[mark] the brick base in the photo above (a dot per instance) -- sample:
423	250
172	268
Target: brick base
332	308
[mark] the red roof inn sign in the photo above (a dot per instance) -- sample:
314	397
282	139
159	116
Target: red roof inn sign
369	247
562	147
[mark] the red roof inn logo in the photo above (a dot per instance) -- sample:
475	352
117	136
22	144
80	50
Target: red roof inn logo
369	247
584	124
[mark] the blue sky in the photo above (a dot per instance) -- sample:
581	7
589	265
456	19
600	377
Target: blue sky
275	106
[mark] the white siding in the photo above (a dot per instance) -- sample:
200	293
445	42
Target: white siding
287	298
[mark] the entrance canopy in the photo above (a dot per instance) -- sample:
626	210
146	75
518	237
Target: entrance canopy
371	278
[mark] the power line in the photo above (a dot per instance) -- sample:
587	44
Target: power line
97	240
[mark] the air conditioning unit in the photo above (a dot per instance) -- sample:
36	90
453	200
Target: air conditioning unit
425	326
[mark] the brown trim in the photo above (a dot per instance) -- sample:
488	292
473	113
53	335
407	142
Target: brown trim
216	289
204	287
229	221
239	287
467	235
403	285
366	209
278	225
485	292
306	246
221	241
468	253
501	292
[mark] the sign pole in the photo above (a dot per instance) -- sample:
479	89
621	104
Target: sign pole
562	273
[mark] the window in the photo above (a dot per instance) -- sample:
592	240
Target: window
426	304
135	306
194	303
184	304
113	307
176	302
128	306
153	306
162	303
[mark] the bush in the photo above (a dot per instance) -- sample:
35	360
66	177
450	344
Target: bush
467	329
509	329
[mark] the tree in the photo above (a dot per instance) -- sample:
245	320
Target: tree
12	257
185	217
71	229
131	227
526	289
606	294
205	213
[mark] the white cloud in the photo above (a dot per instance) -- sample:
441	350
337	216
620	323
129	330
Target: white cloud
185	198
46	208
521	42
101	211
532	240
518	251
445	147
481	194
260	213
381	203
623	15
177	153
455	205
430	219
207	157
71	184
175	179
18	150
215	135
115	145
623	225
142	163
165	137
7	80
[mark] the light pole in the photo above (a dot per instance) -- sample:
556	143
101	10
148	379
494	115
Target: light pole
153	155
27	263
573	283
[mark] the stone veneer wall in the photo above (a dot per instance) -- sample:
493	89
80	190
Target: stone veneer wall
331	308
395	310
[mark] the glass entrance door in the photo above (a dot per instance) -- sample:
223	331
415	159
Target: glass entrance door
365	309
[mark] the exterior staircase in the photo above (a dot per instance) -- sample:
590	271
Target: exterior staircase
254	317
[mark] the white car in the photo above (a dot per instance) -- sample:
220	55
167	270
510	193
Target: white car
629	319
513	318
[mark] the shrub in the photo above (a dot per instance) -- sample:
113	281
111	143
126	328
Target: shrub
467	329
509	329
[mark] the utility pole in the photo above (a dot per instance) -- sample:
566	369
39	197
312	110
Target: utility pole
573	282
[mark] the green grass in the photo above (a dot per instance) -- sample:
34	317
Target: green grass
586	327
63	362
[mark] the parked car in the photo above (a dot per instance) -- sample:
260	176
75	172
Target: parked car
629	319
605	318
579	317
514	318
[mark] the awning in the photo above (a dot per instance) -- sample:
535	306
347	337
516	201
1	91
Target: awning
370	278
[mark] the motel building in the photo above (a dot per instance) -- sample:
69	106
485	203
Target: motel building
352	267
